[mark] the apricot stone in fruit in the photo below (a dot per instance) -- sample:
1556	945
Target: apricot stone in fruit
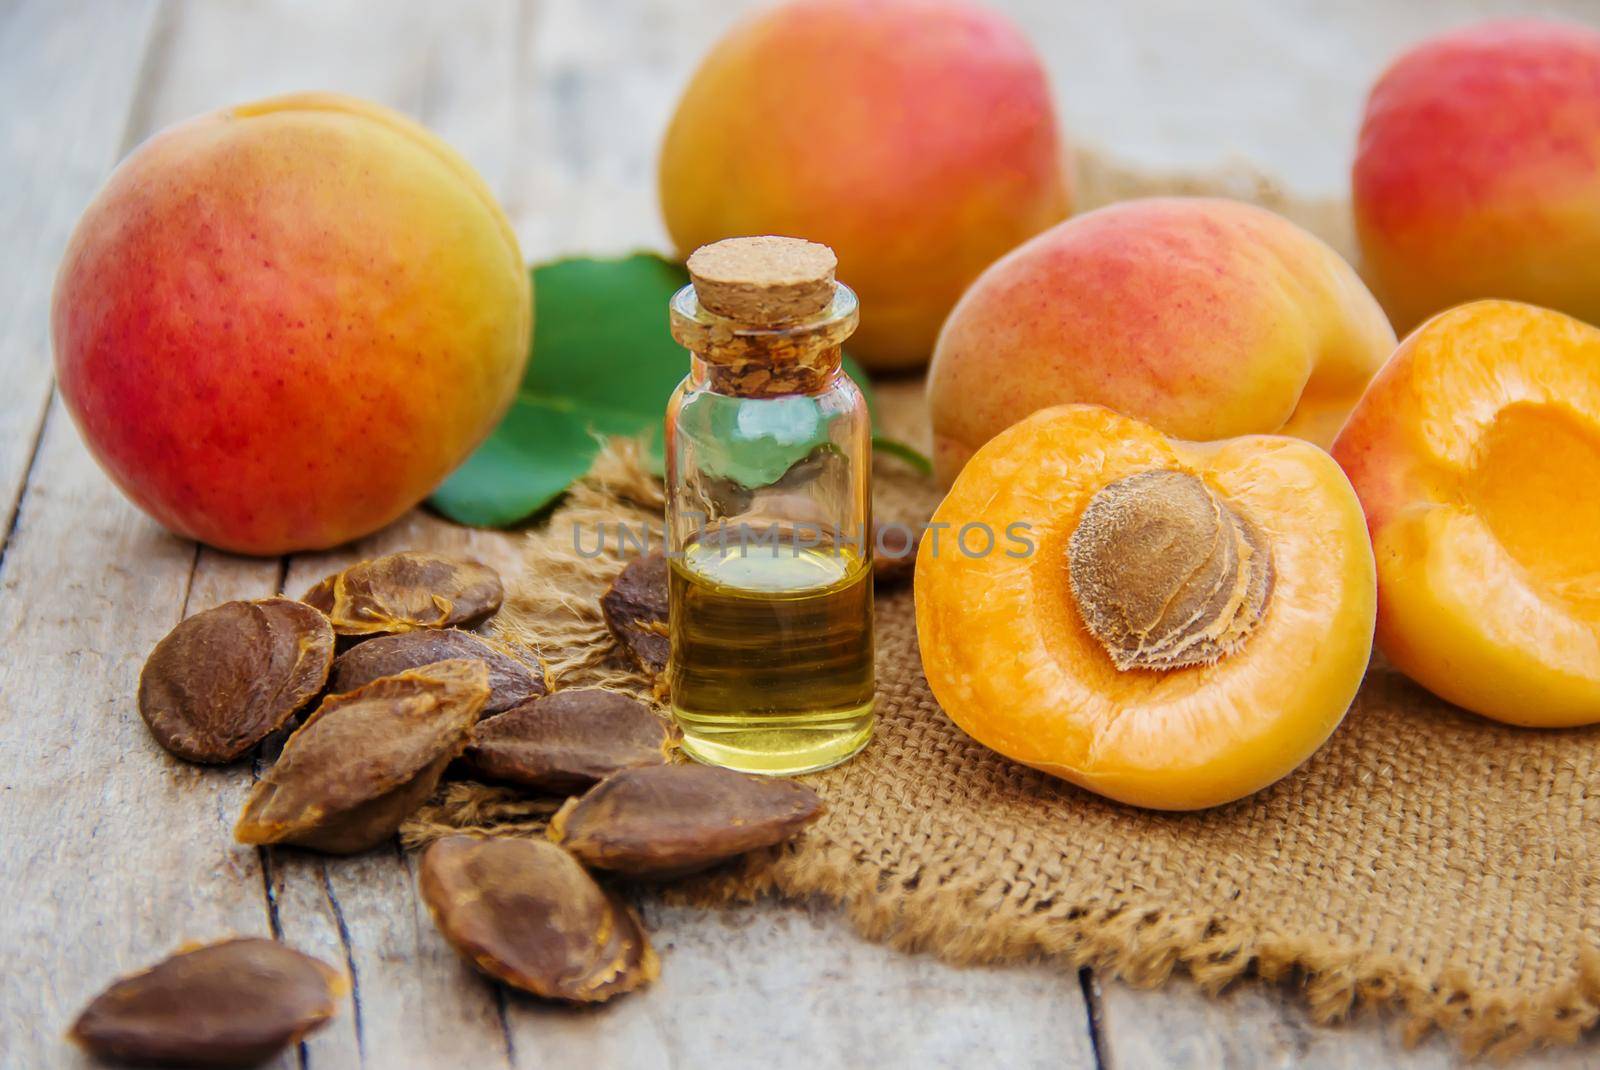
1193	620
1206	318
1478	172
1476	453
917	138
1166	573
278	326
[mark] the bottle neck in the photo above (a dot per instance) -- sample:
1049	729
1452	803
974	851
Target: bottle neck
742	360
758	378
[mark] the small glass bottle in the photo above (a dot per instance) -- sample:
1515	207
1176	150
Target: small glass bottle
768	513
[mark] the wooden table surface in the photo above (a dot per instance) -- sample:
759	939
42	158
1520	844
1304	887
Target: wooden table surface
112	853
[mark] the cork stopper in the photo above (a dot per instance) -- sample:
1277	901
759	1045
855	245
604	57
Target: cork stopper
765	282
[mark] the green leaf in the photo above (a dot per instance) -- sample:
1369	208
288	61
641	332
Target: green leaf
603	363
906	452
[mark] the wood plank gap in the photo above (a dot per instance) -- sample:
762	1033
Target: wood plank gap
501	999
349	958
500	991
27	473
264	858
157	46
514	196
188	586
1091	1006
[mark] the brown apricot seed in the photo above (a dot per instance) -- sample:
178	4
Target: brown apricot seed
635	609
894	553
527	914
225	679
567	741
234	1003
1166	573
364	760
512	680
406	591
670	820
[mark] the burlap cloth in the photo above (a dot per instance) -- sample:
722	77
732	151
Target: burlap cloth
1424	858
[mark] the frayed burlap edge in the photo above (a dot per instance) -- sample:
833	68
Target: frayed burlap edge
1145	944
554	610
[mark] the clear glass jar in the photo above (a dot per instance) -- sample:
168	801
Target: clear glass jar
768	449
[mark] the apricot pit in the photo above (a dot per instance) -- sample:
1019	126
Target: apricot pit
512	680
635	610
365	759
525	913
405	592
233	1003
567	741
1166	573
670	820
225	679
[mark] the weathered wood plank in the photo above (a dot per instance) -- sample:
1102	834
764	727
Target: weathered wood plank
792	987
67	74
1258	1025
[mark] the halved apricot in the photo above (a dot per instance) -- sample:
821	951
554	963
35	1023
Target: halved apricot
1171	624
1476	454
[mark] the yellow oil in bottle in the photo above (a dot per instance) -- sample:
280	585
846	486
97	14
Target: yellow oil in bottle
772	661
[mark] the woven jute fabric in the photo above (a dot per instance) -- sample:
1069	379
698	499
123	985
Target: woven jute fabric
1424	859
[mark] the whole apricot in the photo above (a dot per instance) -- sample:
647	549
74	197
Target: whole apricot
1171	624
278	326
1476	453
1477	174
917	138
1206	318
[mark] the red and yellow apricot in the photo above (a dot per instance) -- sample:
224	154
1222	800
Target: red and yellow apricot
1476	453
1207	318
917	138
280	325
1478	172
1191	620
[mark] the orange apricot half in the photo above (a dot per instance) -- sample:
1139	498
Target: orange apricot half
1171	624
1476	453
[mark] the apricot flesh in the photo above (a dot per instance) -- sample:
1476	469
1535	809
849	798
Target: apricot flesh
1476	454
1009	656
